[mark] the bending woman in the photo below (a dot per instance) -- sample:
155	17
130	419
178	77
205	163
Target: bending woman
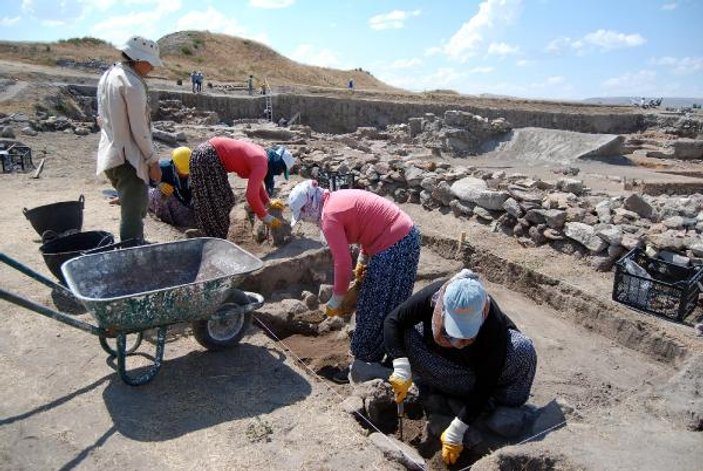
213	199
387	263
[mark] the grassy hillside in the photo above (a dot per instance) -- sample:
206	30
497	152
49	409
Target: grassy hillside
220	57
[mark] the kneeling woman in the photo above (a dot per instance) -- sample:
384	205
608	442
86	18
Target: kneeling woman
170	200
468	350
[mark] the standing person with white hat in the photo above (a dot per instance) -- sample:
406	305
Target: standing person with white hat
126	149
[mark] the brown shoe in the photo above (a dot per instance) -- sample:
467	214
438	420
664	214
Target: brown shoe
193	233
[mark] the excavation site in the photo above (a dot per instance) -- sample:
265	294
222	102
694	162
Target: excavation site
582	223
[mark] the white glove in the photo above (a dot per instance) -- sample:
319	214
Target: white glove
401	369
401	379
455	432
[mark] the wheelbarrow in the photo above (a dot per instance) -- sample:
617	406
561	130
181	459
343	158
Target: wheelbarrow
131	290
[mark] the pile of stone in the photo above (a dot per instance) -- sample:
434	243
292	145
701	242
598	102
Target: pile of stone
563	213
459	133
174	110
44	122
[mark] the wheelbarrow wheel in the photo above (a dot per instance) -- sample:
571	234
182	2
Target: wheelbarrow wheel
228	325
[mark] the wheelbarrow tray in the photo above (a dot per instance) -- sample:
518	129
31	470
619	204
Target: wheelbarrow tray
154	285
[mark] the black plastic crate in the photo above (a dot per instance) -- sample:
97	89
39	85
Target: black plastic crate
335	181
665	289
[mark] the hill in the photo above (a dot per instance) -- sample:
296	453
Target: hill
220	57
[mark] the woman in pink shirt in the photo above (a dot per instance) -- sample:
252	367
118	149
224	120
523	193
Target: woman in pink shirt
210	163
387	263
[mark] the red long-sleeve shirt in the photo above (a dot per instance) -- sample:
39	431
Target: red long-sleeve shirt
249	161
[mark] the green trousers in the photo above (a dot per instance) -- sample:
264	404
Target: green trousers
134	198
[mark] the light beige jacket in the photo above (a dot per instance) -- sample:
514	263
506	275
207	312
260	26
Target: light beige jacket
125	122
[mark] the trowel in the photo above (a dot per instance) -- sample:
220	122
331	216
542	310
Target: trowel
401	411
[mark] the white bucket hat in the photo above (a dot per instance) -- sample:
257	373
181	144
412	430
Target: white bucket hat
139	48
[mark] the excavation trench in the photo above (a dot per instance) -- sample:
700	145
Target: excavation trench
590	349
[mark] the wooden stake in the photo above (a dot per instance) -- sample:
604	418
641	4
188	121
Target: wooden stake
39	169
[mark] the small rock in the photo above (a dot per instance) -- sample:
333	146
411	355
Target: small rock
362	372
509	422
325	293
395	450
353	405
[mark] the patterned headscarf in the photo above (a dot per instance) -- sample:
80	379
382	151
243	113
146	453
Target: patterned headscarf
305	202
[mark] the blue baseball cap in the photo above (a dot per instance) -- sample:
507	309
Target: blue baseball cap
463	302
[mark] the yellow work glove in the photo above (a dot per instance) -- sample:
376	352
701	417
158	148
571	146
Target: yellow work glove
272	222
333	308
166	189
401	379
360	268
276	204
452	441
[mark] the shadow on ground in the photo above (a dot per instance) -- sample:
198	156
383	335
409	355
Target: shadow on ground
202	389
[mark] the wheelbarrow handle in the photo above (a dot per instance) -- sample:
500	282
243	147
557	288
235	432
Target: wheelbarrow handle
32	274
45	311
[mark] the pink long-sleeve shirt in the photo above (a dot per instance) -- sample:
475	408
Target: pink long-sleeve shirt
249	161
359	217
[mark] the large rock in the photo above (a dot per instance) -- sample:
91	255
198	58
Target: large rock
468	189
413	176
637	204
492	200
585	235
475	190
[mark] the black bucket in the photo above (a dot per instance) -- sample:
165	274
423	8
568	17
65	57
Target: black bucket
57	217
65	248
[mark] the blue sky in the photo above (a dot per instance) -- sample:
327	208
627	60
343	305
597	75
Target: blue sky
557	49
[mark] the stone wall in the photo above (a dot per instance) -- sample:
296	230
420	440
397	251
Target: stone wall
343	115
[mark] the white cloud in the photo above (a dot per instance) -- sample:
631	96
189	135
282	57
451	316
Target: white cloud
555	80
608	40
5	21
53	13
442	78
491	14
481	70
524	63
502	49
632	83
307	54
271	4
211	20
603	40
393	20
405	63
679	66
118	29
670	6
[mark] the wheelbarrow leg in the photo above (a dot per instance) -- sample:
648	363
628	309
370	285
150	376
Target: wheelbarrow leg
113	353
151	371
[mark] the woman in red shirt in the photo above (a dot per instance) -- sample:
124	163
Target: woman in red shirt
213	199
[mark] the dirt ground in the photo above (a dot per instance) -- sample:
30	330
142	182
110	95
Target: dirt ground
256	407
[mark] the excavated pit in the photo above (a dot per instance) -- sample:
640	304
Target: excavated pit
590	351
